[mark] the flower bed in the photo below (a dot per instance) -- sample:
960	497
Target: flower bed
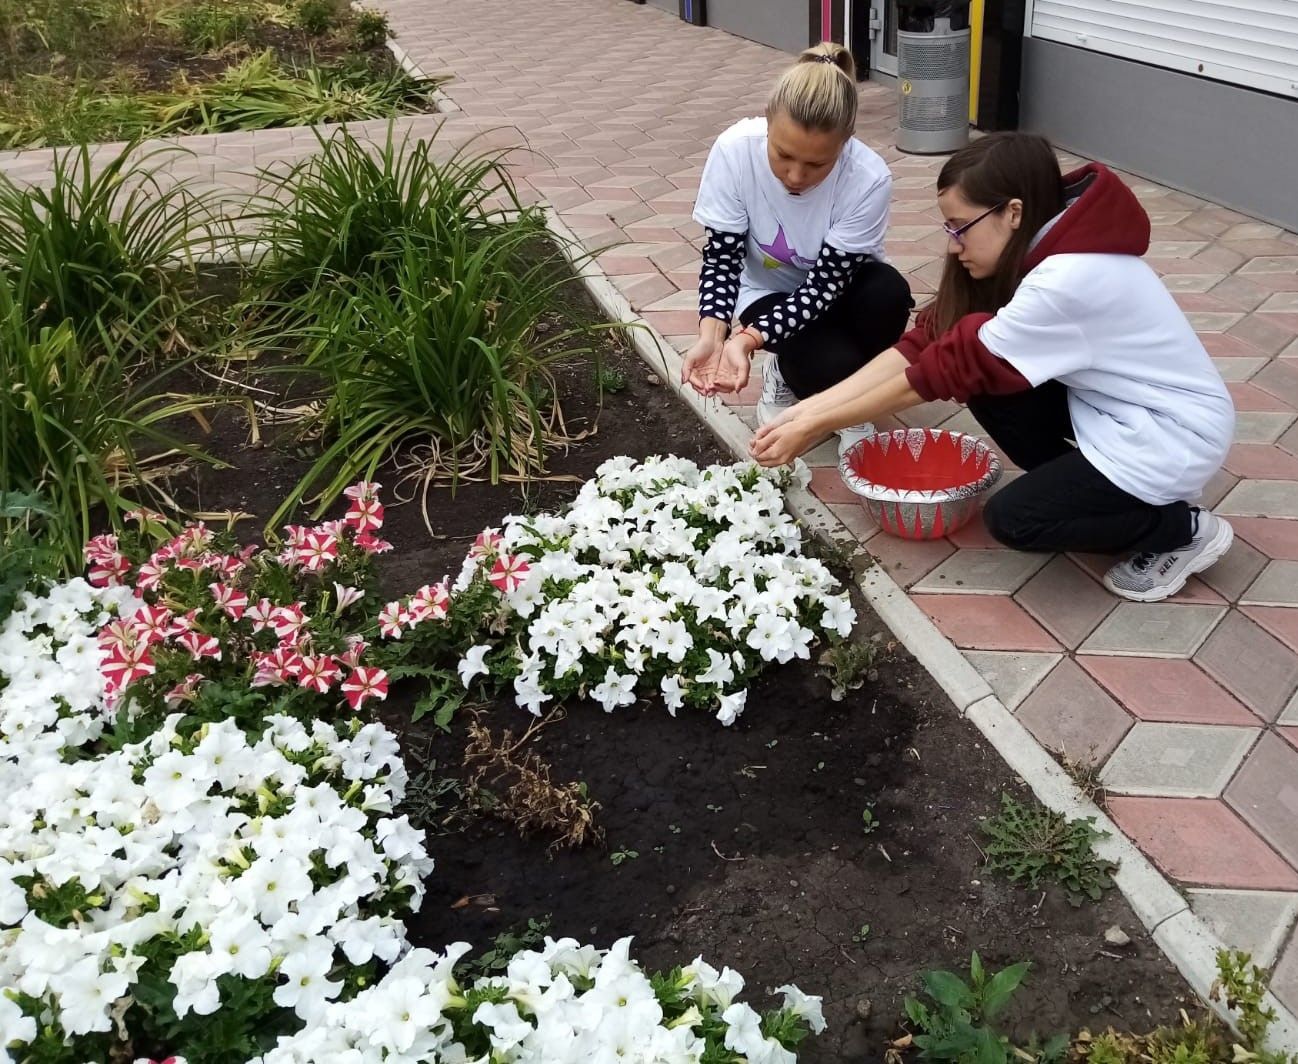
201	828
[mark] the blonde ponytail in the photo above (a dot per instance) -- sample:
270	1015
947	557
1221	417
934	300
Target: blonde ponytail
819	90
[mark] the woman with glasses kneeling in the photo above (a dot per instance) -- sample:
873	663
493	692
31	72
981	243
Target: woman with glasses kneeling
1072	355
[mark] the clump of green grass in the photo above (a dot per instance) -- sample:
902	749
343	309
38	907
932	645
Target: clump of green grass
106	248
417	300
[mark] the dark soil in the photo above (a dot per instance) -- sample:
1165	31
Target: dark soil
751	848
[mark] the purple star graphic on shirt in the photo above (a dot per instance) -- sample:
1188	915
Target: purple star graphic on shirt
779	250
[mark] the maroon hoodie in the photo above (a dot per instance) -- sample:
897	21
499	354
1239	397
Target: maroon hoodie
1104	217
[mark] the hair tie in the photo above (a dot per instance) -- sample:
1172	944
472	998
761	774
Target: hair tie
825	59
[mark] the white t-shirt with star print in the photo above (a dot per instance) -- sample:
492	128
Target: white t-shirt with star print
739	193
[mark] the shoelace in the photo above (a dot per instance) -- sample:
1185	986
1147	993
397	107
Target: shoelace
1143	562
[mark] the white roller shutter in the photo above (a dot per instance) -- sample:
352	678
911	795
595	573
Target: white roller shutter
1253	43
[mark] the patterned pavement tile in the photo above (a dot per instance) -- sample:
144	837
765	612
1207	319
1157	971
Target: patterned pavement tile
1261	426
856	519
1153	629
988	572
1171	690
1251	664
1201	841
1265	793
908	560
1255	921
1012	675
985	622
1233	574
1070	714
1262	498
1067	601
1276	585
1177	760
828	486
1274	538
1260	462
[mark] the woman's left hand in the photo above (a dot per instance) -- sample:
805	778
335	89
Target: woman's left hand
736	363
780	442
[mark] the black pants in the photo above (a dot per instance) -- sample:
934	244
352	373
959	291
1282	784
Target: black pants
1062	502
865	320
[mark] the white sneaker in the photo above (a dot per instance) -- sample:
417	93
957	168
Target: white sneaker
777	396
852	435
1153	577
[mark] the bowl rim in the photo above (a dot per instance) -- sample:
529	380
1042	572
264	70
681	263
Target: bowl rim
869	489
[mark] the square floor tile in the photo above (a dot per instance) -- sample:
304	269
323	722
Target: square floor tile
1251	664
1170	690
985	622
1154	629
1070	714
1201	841
1255	921
1066	600
996	572
1012	674
1265	793
1177	760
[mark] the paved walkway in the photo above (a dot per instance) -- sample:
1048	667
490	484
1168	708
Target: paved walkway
1188	708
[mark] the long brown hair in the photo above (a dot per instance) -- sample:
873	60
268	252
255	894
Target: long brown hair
991	171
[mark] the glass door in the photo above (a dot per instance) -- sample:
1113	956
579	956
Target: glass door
883	36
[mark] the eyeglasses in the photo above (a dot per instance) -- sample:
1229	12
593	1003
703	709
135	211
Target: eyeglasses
958	234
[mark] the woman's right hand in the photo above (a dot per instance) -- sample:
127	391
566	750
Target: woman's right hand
702	360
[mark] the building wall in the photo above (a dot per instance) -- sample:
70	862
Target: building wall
1236	146
779	23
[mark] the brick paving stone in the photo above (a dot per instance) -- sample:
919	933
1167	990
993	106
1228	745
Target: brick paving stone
1260	462
1265	793
908	560
1153	629
1279	377
1276	585
1280	621
1261	498
996	572
1238	369
1066	600
1248	396
827	485
1219	485
1171	690
1272	537
983	622
1233	574
1251	664
856	519
1201	841
1255	921
1177	760
1071	715
1012	675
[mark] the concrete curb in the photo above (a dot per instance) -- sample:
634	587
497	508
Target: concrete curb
1183	937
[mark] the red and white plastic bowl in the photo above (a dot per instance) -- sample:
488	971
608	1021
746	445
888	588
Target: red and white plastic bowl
920	483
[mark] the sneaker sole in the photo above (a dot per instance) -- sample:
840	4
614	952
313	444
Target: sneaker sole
1210	556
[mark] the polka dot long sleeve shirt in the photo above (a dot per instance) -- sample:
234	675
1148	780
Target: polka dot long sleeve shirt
723	261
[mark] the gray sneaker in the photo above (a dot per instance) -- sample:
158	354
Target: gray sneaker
1154	577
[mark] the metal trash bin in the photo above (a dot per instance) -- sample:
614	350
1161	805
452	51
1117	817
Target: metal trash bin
933	79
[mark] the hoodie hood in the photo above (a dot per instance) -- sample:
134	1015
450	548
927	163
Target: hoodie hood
1103	216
